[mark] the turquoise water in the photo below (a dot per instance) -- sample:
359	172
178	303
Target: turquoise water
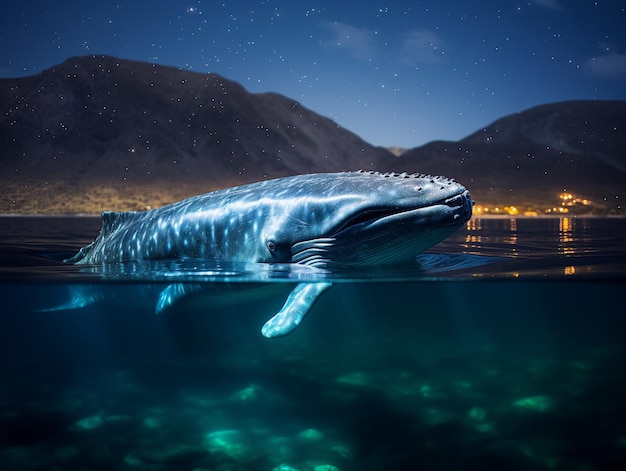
501	348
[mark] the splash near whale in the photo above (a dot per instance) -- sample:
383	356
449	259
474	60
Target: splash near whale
328	221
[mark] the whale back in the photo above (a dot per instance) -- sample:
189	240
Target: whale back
112	220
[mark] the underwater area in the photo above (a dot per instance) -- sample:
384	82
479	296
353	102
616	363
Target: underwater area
503	347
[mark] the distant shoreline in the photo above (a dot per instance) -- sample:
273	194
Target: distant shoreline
482	216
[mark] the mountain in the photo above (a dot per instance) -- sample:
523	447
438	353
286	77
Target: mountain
528	158
96	133
101	124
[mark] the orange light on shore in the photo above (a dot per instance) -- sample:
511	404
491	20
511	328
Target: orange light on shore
569	203
568	199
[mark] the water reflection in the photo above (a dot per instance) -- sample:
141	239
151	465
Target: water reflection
473	239
513	236
477	239
566	239
553	246
505	247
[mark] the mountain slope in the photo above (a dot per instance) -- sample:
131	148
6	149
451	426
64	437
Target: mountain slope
529	157
98	133
103	118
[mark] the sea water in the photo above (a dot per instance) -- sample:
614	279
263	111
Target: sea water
502	348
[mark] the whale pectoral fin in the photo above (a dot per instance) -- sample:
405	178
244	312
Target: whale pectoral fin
174	293
298	304
80	297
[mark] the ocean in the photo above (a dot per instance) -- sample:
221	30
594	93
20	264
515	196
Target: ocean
501	348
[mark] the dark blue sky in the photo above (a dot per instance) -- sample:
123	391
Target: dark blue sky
396	73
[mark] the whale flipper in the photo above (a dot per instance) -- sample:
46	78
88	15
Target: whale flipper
298	304
80	297
174	293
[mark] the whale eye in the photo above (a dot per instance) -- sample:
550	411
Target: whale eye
278	251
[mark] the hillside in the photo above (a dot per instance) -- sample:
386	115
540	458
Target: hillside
528	158
99	133
125	135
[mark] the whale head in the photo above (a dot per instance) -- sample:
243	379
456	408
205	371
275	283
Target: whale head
365	218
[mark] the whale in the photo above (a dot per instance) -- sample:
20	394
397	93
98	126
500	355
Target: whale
328	221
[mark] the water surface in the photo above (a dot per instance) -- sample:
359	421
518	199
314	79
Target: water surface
500	348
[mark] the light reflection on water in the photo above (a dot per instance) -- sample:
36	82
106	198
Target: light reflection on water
486	247
566	238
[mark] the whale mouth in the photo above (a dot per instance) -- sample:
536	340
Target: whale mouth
440	217
460	203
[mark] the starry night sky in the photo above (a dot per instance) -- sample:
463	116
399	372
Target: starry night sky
396	73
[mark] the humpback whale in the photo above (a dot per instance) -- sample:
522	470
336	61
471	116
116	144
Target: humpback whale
329	221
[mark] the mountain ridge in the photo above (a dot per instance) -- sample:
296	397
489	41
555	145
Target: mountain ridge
97	132
529	157
116	107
